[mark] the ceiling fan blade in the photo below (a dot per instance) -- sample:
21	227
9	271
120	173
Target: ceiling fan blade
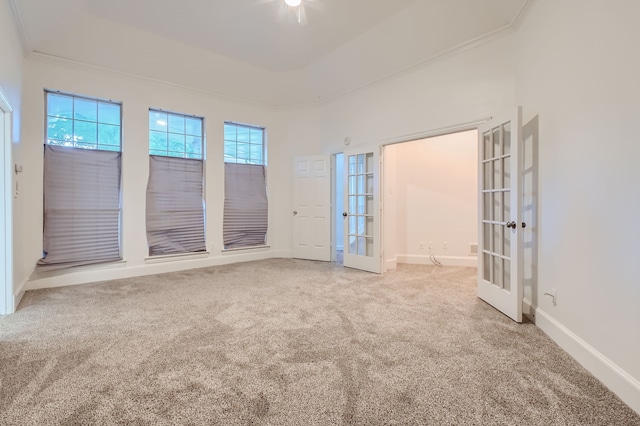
302	14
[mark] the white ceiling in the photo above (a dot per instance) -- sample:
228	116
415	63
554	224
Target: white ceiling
253	49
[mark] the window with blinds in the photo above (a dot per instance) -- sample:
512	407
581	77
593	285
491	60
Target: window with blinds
82	164
245	188
175	191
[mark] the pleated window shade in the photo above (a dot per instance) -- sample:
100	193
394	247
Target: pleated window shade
81	206
175	207
245	205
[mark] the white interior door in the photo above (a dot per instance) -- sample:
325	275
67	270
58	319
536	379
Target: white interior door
362	210
500	204
312	208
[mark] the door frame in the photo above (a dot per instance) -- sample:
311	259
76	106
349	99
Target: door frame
334	198
6	208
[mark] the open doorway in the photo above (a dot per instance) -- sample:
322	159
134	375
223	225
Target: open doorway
430	201
6	260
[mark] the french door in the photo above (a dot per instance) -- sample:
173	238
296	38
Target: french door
500	210
362	210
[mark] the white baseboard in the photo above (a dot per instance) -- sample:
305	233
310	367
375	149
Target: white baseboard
94	273
18	294
610	374
529	310
413	259
391	264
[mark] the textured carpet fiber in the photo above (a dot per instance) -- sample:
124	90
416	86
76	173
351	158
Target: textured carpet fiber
288	342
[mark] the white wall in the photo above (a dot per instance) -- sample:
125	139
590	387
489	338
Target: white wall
573	63
578	68
11	69
459	89
137	95
435	192
466	87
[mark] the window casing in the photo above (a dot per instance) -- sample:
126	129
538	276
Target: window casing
175	191
82	168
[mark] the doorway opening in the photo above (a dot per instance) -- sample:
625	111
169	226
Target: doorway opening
430	201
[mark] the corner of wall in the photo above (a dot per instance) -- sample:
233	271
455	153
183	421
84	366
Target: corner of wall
18	294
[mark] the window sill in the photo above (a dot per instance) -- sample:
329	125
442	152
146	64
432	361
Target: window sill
176	257
232	250
49	270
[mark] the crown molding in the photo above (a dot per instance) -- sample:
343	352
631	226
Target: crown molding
456	50
47	58
19	23
522	14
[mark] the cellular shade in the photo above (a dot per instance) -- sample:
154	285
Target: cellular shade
81	206
245	205
175	208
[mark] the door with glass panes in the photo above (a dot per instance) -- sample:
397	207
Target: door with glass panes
500	207
362	210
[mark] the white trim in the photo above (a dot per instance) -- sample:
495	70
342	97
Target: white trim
412	259
463	47
46	58
391	264
609	373
249	248
529	310
84	276
17	297
522	13
19	23
45	271
7	306
176	257
442	131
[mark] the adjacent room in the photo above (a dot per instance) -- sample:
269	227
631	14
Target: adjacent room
319	212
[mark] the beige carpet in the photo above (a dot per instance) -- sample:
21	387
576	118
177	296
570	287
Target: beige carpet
288	342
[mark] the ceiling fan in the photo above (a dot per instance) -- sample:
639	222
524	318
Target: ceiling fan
295	8
298	8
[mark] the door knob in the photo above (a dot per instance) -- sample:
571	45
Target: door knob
345	214
511	224
295	212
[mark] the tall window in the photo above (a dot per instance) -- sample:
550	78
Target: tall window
175	202
245	189
82	166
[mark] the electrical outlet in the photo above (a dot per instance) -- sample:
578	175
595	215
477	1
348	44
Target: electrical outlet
421	245
444	245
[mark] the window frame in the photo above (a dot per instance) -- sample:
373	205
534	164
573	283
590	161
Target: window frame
72	146
185	134
73	143
263	140
156	250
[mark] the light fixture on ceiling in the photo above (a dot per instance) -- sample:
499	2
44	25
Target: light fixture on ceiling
298	8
